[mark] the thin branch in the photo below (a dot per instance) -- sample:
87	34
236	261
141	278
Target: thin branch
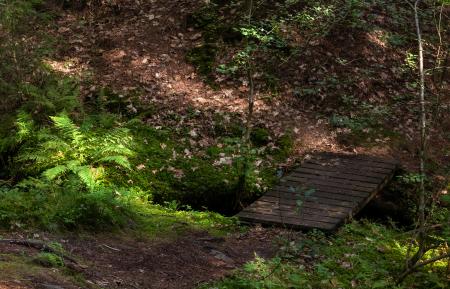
423	126
421	264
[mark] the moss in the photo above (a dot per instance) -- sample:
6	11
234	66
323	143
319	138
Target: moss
49	260
284	145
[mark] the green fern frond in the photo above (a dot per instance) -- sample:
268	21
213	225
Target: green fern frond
56	145
73	165
86	176
24	125
67	127
55	172
116	150
117	159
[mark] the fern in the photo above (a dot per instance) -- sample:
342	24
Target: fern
67	149
55	172
118	159
24	125
86	176
67	127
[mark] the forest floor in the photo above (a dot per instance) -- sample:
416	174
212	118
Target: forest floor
142	51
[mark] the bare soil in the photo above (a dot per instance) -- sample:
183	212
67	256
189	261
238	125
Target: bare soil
121	261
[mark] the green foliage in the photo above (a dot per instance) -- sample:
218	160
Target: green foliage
284	147
12	12
361	255
49	260
172	171
53	96
363	125
260	136
67	149
44	204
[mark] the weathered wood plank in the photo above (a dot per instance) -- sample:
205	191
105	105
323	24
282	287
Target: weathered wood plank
332	178
308	208
361	162
325	182
334	172
301	214
288	187
288	222
350	170
315	198
366	158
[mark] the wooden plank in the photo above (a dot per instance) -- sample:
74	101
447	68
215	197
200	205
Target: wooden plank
361	162
330	155
294	179
348	170
301	214
379	166
265	202
288	222
300	217
325	207
334	208
367	170
361	181
345	199
334	171
287	188
332	177
317	198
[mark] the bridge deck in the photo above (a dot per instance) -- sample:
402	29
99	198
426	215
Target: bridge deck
324	192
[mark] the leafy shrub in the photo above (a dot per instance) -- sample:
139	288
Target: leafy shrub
49	205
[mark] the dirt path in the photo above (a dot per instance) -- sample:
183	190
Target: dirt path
120	261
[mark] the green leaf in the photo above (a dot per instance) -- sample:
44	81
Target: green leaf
54	172
119	160
67	127
379	284
86	176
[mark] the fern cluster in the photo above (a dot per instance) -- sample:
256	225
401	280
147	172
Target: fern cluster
66	149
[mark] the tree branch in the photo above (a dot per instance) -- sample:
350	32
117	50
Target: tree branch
421	264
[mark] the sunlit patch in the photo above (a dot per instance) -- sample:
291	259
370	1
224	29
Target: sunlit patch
115	55
70	67
378	37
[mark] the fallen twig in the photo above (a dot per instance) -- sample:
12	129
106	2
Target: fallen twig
111	248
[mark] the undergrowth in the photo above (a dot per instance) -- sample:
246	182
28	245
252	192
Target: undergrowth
360	255
68	164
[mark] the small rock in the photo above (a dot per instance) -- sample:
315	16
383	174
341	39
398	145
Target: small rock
221	256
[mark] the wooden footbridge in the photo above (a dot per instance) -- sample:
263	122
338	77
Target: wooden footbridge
325	191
